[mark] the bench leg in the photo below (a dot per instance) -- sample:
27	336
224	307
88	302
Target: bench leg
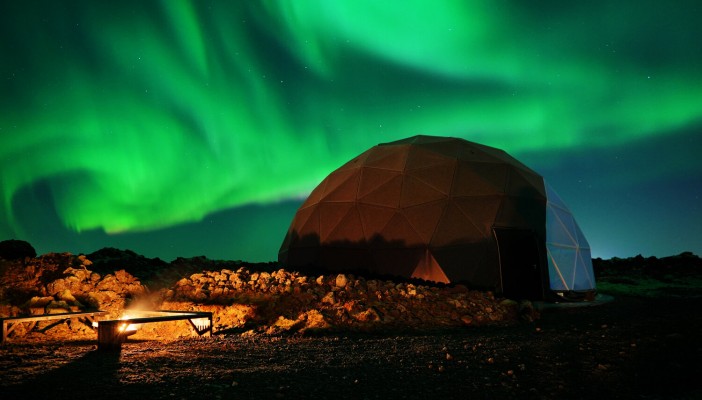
7	328
202	326
109	335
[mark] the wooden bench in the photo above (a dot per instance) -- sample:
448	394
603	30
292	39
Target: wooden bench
10	323
112	333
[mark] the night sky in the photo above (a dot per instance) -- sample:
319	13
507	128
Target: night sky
177	128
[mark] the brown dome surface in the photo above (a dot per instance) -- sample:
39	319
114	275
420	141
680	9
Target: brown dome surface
425	207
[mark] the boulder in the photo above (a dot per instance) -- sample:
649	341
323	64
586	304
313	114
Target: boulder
16	249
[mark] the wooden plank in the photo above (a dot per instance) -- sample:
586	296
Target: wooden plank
47	317
145	320
10	323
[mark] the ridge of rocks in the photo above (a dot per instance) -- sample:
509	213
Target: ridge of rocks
249	299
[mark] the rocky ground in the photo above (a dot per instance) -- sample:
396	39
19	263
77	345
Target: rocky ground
280	334
249	300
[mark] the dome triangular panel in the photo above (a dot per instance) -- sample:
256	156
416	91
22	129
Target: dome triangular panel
479	179
429	270
316	194
481	210
330	215
517	185
387	194
309	230
373	178
415	192
455	228
424	218
392	158
399	232
349	230
374	219
419	157
439	176
342	186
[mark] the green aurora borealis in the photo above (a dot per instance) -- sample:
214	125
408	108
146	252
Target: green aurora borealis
179	128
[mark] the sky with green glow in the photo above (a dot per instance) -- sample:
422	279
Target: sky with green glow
178	128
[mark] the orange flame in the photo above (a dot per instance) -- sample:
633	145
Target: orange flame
122	327
127	327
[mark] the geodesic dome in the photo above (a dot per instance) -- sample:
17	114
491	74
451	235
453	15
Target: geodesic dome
568	252
434	208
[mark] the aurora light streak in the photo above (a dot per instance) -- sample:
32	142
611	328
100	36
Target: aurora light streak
153	120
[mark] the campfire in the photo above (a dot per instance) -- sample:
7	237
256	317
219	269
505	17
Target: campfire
126	328
129	329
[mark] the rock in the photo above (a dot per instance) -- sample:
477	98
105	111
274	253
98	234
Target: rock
16	249
283	324
37	302
329	298
368	315
66	296
56	286
56	307
249	333
341	281
314	320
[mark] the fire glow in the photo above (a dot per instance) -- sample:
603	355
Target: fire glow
112	333
129	328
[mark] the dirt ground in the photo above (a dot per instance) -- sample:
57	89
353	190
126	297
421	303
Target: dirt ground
627	348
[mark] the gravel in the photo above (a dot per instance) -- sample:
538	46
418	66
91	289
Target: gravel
631	347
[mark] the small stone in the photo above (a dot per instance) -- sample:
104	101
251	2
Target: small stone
341	280
329	298
441	368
